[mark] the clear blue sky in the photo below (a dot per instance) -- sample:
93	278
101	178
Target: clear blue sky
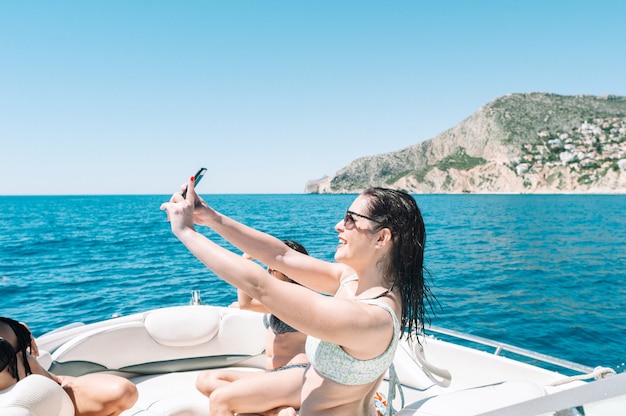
131	97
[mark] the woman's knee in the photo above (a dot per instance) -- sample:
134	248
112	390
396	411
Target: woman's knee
117	391
128	394
96	394
121	394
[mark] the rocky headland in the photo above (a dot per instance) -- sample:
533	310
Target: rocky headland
518	143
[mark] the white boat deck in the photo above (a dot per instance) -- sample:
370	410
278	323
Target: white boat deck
162	351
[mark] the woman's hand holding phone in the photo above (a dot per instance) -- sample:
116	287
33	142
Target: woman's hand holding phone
196	179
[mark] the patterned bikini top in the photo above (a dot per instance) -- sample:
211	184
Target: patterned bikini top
278	326
331	361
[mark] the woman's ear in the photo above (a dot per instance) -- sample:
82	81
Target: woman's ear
384	237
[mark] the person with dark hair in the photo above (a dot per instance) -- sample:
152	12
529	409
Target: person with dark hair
23	341
235	391
378	276
91	394
8	360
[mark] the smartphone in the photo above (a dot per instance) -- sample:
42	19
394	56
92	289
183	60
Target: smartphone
196	178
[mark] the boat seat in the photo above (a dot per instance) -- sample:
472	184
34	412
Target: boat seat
35	395
172	394
170	339
474	401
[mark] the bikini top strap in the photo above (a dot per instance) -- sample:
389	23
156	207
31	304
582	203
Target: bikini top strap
346	280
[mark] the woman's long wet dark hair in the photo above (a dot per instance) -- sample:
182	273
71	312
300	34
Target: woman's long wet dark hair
8	358
8	355
398	211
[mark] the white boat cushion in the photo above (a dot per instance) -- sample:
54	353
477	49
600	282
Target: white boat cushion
474	401
171	394
35	395
183	327
180	406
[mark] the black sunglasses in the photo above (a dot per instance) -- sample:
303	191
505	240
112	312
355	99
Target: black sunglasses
349	218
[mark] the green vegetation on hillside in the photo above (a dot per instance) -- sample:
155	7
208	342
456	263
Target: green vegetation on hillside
459	160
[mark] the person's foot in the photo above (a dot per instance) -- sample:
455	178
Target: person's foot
281	411
287	411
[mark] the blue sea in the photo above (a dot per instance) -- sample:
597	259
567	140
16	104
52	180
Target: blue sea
543	272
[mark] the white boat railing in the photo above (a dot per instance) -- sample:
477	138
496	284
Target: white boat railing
500	347
605	397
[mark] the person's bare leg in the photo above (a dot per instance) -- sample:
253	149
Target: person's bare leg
261	394
99	394
210	380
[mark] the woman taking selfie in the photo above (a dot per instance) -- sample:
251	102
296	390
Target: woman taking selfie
377	282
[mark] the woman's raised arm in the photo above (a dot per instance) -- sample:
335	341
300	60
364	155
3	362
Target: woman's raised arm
313	273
